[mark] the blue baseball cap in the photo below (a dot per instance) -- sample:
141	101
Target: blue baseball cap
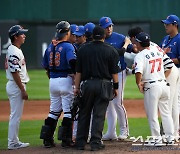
79	31
171	19
89	27
105	22
73	28
142	37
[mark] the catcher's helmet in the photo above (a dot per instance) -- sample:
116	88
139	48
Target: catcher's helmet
16	30
61	29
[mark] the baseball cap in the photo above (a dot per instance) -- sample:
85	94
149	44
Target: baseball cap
105	22
17	30
89	27
79	31
73	28
171	19
142	37
98	32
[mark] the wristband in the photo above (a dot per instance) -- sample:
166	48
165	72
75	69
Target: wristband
115	85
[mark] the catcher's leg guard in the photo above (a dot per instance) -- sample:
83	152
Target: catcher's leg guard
47	132
65	132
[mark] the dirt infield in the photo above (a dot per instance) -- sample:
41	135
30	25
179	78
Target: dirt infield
38	110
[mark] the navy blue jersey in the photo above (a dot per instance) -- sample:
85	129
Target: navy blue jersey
172	45
56	59
117	41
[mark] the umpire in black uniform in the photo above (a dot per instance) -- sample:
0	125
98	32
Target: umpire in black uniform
97	65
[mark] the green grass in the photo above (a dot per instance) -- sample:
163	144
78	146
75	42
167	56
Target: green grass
30	131
38	87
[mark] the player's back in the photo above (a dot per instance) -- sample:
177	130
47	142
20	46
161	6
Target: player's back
150	63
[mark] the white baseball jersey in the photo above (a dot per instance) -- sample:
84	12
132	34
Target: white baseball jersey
149	62
15	62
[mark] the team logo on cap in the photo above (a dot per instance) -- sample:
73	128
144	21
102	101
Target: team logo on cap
77	29
106	20
86	29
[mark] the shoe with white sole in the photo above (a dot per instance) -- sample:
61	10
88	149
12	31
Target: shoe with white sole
107	137
18	146
123	136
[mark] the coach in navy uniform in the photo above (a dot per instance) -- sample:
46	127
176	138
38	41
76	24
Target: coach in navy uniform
97	65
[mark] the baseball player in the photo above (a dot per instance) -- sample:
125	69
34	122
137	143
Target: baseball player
72	38
59	61
171	45
17	76
89	31
150	80
172	78
116	109
80	36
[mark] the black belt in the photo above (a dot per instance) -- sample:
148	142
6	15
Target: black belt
96	78
156	81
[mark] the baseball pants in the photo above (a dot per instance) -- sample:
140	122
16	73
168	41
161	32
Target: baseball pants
173	80
156	96
116	110
61	95
16	110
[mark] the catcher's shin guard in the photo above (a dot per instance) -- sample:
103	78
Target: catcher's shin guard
65	132
47	132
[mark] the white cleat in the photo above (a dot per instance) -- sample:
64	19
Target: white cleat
18	146
122	137
106	137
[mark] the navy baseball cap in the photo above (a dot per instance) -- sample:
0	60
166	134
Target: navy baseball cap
171	19
142	37
105	22
17	30
73	28
89	27
79	31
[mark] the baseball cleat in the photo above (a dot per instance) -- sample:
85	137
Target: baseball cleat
122	137
106	137
18	146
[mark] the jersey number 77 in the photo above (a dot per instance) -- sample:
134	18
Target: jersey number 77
155	62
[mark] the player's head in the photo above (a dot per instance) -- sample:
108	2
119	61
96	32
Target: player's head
72	37
80	34
15	31
142	40
171	23
107	24
133	32
89	30
98	33
62	29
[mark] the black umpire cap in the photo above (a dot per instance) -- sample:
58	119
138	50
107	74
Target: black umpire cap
98	33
